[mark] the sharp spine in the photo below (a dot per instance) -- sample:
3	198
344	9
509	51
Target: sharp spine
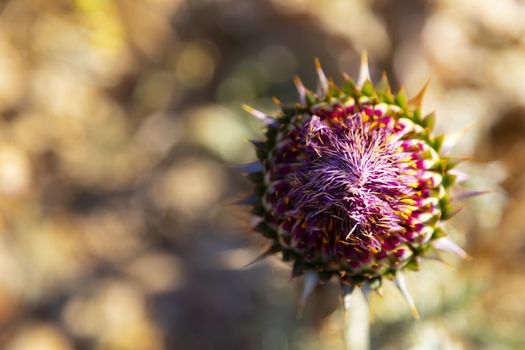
323	81
468	194
266	119
251	200
274	248
300	89
364	71
448	245
401	284
417	100
311	279
251	167
452	139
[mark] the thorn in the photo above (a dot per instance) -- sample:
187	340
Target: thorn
452	211
417	100
261	149
460	175
437	257
311	279
259	145
384	86
384	80
266	119
250	167
401	284
251	200
448	245
364	71
323	81
455	160
452	139
300	89
297	270
274	248
467	194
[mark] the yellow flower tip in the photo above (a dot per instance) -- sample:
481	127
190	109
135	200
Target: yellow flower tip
299	85
415	313
346	77
247	108
317	63
300	89
258	114
276	101
384	77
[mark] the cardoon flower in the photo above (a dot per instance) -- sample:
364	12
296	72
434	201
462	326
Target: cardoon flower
351	183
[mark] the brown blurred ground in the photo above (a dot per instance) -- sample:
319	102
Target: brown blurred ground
119	121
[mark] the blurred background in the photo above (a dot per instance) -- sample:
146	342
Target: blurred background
120	121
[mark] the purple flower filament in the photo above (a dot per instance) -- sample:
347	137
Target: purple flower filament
350	186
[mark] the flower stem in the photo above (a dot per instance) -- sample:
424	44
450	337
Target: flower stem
357	325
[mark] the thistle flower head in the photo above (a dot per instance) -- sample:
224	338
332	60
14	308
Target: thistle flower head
351	182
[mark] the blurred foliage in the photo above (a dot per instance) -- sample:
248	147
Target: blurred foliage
119	121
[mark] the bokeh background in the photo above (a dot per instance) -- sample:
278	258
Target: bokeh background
120	121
